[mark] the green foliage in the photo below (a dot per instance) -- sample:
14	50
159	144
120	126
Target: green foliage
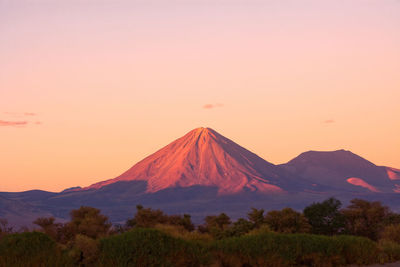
325	218
272	249
240	227
185	221
287	221
278	239
30	249
58	231
391	233
216	225
364	218
149	247
147	218
221	221
263	229
83	250
390	251
256	217
357	250
88	221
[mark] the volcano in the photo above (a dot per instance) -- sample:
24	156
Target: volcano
205	173
203	157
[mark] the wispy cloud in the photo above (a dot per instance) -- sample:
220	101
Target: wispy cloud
19	119
210	106
13	123
329	121
19	114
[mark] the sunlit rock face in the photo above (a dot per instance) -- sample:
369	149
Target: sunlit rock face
393	174
203	157
360	182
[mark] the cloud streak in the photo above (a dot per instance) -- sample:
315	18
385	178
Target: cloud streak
329	121
19	114
13	123
211	106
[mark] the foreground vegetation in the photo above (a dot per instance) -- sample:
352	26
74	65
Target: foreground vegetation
322	235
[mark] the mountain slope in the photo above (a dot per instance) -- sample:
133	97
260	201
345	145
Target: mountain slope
206	158
344	171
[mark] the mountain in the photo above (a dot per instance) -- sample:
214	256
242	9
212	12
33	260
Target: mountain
19	213
205	173
344	171
206	158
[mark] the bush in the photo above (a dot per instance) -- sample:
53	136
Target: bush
287	221
325	218
272	249
392	233
364	218
88	221
390	251
150	247
30	249
83	250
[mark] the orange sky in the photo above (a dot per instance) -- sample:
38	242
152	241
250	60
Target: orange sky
88	88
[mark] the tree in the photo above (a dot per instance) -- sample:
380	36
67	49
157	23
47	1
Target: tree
185	221
49	227
215	225
256	217
364	218
325	218
240	227
220	221
147	217
89	221
287	221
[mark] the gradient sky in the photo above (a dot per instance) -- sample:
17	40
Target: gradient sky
88	88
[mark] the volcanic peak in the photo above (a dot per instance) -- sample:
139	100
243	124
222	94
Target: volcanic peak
203	157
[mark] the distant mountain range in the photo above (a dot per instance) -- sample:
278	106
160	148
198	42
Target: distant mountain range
204	172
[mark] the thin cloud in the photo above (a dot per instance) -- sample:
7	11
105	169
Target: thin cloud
19	114
210	106
13	123
329	121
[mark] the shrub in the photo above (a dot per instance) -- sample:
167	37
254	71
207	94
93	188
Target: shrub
287	221
325	218
83	250
392	233
357	250
390	251
273	249
256	217
30	249
364	218
88	221
150	247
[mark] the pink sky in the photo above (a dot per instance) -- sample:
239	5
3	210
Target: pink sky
88	88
